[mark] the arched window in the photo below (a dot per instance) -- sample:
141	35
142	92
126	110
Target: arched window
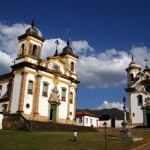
140	100
72	66
34	52
22	49
131	77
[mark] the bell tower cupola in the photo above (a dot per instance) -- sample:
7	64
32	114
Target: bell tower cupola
30	46
70	60
132	71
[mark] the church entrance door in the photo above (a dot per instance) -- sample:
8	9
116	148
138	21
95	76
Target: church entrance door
53	112
148	117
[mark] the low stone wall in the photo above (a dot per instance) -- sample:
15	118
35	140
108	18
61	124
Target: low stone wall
14	121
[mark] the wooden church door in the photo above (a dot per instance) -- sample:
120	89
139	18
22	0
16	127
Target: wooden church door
53	112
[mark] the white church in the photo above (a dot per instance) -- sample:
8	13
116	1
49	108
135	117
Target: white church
138	94
40	90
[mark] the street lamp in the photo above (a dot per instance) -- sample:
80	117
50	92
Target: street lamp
105	126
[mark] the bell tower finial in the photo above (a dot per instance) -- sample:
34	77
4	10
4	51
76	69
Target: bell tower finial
146	63
68	42
132	57
57	43
32	23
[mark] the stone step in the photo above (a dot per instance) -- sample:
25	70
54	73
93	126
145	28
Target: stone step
49	126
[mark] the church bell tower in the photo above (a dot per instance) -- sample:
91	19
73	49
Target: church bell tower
30	45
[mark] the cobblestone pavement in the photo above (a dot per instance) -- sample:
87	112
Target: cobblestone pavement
143	147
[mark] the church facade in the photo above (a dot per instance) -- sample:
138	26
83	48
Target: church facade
138	94
40	90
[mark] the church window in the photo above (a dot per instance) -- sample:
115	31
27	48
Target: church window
9	88
27	105
45	89
63	94
72	66
147	77
0	90
30	87
86	120
4	107
133	114
34	52
71	97
22	49
91	121
131	77
140	100
80	120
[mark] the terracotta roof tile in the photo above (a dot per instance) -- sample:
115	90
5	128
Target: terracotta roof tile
84	112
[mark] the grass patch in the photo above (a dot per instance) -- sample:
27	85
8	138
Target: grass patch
25	140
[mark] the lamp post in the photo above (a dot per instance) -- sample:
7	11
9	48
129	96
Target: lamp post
105	126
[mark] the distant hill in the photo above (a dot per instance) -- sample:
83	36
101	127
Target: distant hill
114	112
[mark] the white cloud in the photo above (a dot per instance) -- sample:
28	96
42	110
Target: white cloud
81	46
109	105
49	47
140	54
108	68
101	69
8	37
5	62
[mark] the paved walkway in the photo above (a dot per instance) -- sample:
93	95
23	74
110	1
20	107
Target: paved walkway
143	147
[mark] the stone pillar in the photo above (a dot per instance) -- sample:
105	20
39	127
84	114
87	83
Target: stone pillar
22	92
36	97
74	101
68	106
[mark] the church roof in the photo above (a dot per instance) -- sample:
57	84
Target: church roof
133	65
32	31
68	50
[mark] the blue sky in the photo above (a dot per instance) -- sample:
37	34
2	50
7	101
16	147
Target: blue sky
104	33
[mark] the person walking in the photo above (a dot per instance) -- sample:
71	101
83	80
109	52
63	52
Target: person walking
75	133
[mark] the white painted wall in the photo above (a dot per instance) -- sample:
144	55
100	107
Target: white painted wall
117	123
138	117
1	120
16	93
87	121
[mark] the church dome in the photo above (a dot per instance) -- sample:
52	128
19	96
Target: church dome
32	30
133	64
67	49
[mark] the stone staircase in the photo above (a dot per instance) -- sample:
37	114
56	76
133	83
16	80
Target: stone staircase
49	126
18	122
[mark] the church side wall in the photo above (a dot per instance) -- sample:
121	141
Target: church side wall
28	99
63	107
16	93
73	104
43	101
136	110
